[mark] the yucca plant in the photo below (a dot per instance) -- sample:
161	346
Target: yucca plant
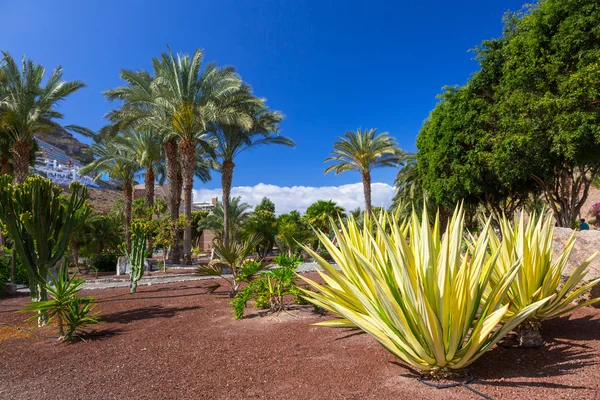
529	245
415	291
71	311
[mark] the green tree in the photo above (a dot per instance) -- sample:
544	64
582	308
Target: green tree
231	140
320	214
549	98
28	107
292	232
148	151
238	216
263	224
410	194
363	151
527	121
137	111
198	218
101	234
121	165
180	102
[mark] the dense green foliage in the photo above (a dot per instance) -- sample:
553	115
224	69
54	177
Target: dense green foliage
271	288
40	224
528	121
292	232
262	223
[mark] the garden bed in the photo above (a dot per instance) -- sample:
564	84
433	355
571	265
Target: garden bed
176	341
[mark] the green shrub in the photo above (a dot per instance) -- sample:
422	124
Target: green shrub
71	312
6	268
3	281
284	260
106	262
269	291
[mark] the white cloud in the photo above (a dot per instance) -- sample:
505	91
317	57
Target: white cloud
300	197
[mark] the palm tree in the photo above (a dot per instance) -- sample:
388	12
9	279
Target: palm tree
238	215
148	150
121	165
231	140
180	102
363	151
28	108
138	111
320	213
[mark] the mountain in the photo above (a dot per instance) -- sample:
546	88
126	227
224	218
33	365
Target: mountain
69	144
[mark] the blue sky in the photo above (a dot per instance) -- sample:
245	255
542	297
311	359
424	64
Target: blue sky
329	66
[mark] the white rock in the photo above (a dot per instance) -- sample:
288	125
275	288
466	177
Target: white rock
123	266
586	243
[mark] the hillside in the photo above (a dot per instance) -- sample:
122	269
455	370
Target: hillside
69	144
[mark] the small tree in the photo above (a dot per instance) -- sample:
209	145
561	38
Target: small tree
40	224
168	235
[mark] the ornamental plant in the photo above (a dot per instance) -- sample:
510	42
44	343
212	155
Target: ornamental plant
270	288
416	291
40	221
73	313
595	212
229	262
529	246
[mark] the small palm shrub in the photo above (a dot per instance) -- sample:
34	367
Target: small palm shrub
529	245
270	289
232	256
416	291
71	311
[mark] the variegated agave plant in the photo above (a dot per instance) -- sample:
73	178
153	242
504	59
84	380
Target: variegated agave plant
416	291
529	245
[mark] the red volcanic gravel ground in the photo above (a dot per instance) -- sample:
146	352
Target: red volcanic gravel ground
177	342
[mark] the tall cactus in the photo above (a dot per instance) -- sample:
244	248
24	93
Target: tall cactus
40	222
136	255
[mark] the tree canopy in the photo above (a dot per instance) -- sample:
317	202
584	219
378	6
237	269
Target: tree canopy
527	121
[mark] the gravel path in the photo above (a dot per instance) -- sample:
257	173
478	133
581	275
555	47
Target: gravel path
175	341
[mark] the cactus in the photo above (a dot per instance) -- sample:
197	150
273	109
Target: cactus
40	222
136	255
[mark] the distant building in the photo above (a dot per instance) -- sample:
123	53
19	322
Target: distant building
55	164
205	205
162	192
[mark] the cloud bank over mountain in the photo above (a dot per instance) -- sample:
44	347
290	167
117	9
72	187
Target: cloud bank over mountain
300	197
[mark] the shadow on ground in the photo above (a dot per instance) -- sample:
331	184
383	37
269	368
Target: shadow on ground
125	317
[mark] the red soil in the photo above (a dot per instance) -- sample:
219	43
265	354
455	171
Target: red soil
177	342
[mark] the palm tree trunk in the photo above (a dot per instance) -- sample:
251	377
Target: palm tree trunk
226	180
172	164
128	198
366	180
149	184
187	153
21	152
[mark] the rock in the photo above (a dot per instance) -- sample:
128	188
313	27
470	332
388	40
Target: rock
55	270
586	243
123	266
11	288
